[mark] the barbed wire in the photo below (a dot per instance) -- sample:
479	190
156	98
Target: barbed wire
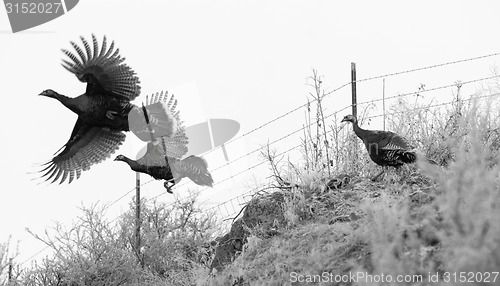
328	116
34	255
436	105
271	121
336	112
282	153
430	67
104	208
300	129
325	133
340	110
131	190
252	167
312	123
348	83
423	91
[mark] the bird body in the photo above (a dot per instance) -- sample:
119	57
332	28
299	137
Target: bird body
157	172
163	157
94	110
104	111
173	170
385	148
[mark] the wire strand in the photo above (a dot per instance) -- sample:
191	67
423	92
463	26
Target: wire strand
34	255
258	164
426	90
436	105
430	67
357	81
336	112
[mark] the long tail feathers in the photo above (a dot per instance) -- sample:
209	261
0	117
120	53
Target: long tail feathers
198	171
161	120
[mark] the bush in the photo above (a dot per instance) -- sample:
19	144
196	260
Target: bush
96	252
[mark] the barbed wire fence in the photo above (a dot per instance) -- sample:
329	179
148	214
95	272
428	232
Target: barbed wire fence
231	207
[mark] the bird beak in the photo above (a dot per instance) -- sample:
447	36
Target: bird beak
116	159
343	120
45	93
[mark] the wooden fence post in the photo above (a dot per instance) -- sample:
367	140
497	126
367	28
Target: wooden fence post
383	100
354	110
138	215
353	87
10	271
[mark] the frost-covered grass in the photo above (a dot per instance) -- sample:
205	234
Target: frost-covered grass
428	220
425	220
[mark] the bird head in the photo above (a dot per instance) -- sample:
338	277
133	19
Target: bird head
49	93
120	158
349	118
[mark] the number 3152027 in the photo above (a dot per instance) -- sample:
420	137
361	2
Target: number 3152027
33	8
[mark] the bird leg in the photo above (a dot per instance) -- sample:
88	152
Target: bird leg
111	114
378	175
169	187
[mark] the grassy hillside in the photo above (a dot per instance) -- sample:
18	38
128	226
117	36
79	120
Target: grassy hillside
425	225
322	221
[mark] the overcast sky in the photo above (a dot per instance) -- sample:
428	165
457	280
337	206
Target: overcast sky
243	60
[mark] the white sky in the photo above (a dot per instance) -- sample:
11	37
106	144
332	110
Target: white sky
242	60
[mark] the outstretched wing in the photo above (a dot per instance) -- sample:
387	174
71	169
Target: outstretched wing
175	144
151	122
102	70
88	145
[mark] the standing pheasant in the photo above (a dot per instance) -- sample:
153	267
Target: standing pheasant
162	160
104	110
384	147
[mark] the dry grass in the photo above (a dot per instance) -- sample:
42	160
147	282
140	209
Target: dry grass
326	223
429	219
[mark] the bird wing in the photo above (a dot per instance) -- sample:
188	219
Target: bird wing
155	154
161	122
393	141
102	70
176	143
88	145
